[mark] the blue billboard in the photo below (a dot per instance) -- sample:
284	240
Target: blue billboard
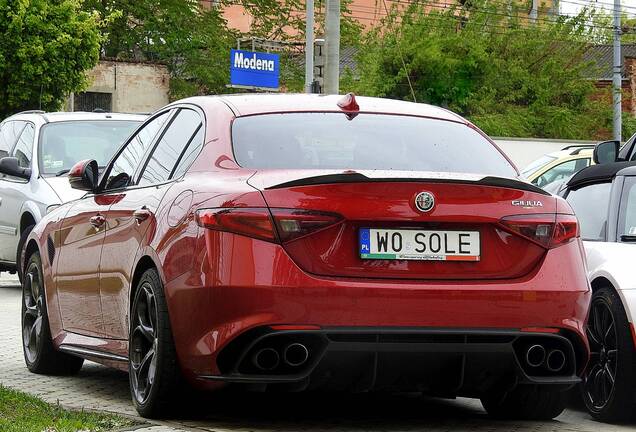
254	69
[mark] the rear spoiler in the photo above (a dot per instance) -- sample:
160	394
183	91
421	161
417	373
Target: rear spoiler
355	177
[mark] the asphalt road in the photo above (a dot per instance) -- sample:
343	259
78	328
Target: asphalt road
97	387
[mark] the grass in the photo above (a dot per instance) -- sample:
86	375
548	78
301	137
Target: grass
20	412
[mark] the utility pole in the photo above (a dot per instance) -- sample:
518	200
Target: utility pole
309	47
332	42
534	11
616	76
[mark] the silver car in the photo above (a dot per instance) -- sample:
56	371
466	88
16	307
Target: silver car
37	150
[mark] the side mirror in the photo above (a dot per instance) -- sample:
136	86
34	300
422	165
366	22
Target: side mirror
84	175
606	152
11	167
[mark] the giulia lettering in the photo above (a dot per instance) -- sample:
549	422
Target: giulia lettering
527	203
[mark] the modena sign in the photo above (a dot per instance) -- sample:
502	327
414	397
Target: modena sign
254	69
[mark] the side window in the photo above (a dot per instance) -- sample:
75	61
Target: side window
591	206
561	172
170	147
9	132
129	159
627	211
23	149
190	153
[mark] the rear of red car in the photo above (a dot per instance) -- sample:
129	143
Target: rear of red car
388	252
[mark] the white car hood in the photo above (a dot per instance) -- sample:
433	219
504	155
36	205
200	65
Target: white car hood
62	188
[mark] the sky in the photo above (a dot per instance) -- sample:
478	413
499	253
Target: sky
571	7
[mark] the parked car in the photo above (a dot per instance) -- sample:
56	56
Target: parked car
558	166
37	149
604	199
298	242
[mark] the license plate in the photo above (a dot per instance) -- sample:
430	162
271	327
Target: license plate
425	245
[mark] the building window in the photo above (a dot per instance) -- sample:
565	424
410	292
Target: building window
91	101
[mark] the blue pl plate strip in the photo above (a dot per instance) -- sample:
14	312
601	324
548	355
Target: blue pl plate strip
364	237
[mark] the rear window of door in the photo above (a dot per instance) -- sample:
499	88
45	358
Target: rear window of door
561	172
23	150
171	146
129	160
627	210
9	132
591	206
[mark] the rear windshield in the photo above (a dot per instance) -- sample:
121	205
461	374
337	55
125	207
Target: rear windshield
65	143
368	141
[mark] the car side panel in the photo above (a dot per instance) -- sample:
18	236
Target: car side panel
124	235
77	272
614	262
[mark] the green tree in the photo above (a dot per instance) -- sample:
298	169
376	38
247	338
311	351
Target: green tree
487	63
45	48
191	39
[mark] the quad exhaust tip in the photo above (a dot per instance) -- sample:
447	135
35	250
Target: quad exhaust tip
266	359
295	354
555	360
535	356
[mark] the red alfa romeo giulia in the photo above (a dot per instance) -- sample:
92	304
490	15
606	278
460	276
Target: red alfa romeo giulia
300	242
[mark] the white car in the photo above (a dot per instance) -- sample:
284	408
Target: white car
37	150
604	199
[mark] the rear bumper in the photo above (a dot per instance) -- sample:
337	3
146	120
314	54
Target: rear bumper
253	284
436	361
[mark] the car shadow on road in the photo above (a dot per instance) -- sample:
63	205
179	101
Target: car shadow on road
328	411
235	409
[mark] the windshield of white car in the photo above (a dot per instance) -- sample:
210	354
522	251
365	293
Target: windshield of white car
315	140
63	144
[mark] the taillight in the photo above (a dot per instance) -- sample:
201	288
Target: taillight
548	230
259	223
293	224
251	222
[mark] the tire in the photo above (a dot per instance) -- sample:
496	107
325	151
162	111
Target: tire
40	355
154	373
525	402
614	354
18	258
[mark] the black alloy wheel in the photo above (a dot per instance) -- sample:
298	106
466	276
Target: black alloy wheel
599	380
154	373
609	382
32	312
143	340
40	354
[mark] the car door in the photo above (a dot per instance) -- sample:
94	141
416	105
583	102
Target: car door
132	218
13	189
82	236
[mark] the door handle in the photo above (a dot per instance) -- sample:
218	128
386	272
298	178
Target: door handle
97	221
142	214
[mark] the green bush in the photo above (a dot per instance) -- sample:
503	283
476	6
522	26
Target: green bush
487	63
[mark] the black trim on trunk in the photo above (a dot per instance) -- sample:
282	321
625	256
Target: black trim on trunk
361	178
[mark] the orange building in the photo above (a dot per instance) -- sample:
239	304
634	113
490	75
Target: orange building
366	12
